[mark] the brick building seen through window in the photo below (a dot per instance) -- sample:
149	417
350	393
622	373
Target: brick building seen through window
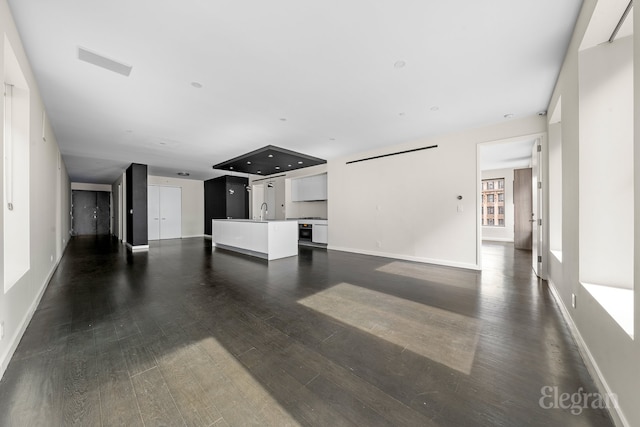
493	202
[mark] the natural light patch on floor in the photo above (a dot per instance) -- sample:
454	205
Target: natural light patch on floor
435	274
240	394
442	336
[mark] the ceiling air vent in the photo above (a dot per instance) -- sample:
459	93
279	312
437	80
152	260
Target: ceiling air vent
104	62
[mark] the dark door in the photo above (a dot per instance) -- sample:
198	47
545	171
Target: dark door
523	210
90	212
103	206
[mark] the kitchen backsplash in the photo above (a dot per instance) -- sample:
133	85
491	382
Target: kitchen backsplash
307	209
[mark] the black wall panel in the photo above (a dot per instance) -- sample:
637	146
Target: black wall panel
225	197
137	227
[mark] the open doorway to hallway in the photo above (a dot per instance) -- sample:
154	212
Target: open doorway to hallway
509	197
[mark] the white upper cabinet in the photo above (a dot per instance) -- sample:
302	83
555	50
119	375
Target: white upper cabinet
309	188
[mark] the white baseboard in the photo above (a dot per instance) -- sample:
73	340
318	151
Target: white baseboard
445	263
17	336
590	362
137	248
194	235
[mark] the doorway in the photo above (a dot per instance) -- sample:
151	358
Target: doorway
90	213
519	162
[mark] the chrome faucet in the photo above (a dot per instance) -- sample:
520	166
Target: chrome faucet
265	210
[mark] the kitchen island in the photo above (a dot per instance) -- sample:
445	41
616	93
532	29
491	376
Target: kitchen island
270	239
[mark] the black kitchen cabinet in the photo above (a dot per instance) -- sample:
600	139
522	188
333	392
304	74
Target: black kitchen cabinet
225	197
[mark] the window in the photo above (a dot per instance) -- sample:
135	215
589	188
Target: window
16	238
606	113
555	181
492	197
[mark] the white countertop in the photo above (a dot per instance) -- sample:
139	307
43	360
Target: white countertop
310	221
257	220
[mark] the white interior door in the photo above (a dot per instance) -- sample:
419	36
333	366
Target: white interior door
153	212
170	212
536	182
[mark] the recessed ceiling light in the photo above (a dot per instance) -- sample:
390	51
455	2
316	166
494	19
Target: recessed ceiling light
435	108
401	114
300	162
270	155
277	167
288	165
184	173
248	163
259	172
231	167
162	143
332	139
399	64
197	85
509	116
283	119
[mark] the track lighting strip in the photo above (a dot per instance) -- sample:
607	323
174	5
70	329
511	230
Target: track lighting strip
392	154
621	21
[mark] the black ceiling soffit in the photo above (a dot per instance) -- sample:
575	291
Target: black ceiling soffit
268	161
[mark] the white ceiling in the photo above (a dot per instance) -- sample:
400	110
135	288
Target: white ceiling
506	155
326	67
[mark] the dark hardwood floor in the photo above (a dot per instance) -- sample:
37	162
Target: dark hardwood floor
187	335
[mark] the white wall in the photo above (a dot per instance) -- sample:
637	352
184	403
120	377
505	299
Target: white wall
502	234
610	353
49	209
406	206
192	202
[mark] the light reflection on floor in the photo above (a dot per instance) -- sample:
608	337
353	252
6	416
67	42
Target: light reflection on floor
434	273
442	336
